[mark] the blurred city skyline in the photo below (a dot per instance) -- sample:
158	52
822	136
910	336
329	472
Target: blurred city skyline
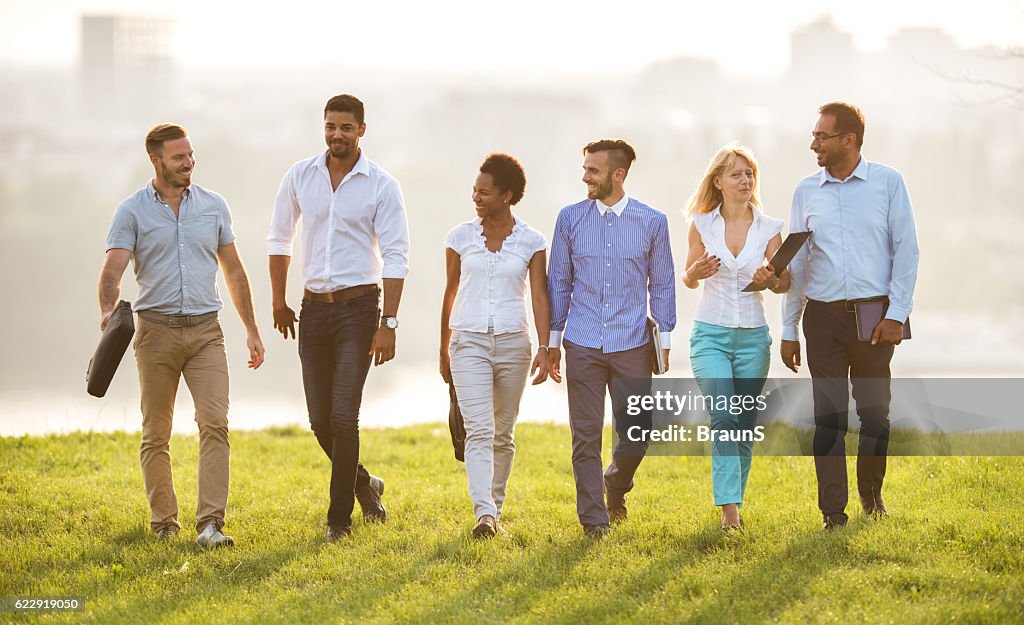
71	138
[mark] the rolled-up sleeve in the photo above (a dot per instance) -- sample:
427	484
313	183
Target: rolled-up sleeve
285	216
392	227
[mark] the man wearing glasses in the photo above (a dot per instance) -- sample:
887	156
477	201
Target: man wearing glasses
863	247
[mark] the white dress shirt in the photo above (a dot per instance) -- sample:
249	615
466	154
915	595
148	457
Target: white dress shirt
353	235
722	300
492	285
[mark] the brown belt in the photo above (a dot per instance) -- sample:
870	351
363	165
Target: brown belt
178	321
847	304
351	292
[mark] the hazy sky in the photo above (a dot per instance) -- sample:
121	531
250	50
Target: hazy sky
746	36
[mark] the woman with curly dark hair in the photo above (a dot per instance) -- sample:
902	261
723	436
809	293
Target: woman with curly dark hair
485	342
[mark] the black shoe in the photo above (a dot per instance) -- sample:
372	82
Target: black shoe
596	532
834	521
338	532
369	500
616	509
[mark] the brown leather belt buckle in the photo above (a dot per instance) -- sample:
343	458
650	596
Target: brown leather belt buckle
179	321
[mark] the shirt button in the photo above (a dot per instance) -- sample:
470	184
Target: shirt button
609	264
609	224
605	325
609	245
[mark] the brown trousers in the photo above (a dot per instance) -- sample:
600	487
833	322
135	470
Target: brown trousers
165	354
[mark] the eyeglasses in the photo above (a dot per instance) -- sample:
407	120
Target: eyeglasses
821	137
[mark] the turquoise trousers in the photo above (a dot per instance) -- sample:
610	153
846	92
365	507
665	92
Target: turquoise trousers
730	362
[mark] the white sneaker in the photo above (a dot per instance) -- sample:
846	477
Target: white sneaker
212	537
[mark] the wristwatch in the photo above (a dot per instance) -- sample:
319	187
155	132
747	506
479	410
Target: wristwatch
389	322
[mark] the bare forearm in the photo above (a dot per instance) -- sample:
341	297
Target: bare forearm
542	317
447	301
392	295
109	291
279	278
241	295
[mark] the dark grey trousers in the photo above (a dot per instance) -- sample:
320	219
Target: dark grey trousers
589	372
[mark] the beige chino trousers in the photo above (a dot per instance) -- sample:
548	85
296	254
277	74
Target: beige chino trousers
165	354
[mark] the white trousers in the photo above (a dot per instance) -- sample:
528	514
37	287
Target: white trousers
489	372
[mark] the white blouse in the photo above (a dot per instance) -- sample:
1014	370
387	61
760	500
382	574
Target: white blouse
492	285
722	300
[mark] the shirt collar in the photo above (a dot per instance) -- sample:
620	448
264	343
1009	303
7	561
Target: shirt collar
155	195
362	165
617	208
860	171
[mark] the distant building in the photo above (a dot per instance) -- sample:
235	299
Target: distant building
124	63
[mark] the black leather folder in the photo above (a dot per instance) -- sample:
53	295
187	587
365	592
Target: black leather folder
113	344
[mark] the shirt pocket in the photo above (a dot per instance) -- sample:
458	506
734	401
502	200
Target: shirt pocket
202	233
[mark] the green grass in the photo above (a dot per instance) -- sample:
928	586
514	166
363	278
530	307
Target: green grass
73	521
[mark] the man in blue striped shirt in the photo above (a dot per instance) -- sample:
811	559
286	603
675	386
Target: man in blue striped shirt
609	254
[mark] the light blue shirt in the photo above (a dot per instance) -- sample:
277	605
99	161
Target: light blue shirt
864	242
604	263
175	258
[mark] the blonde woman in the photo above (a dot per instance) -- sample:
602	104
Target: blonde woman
730	239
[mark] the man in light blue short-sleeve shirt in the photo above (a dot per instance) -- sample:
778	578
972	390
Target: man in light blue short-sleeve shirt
178	234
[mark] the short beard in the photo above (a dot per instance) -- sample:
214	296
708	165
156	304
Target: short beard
169	177
604	189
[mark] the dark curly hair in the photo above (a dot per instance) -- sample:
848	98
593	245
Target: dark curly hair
508	174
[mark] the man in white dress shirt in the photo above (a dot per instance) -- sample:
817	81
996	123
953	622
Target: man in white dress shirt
355	235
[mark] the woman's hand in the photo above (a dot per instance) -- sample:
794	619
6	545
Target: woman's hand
704	267
765	278
540	366
446	367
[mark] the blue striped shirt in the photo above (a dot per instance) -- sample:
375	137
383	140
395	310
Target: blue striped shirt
603	266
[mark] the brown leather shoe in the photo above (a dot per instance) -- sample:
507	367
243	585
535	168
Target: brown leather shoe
596	532
486	527
616	509
338	532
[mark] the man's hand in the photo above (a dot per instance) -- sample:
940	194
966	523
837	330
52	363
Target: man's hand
555	364
256	351
105	318
887	332
383	347
664	358
790	351
284	320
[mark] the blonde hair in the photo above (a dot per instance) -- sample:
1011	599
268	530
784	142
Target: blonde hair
706	198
